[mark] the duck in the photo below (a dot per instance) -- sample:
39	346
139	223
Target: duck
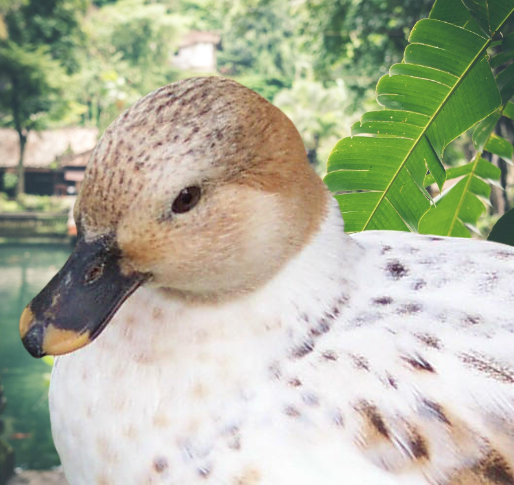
216	325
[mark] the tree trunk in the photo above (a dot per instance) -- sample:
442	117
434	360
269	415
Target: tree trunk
22	135
20	188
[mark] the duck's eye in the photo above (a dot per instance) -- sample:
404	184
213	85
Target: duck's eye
186	199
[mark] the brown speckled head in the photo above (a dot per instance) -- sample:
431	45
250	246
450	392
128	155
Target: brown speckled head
260	201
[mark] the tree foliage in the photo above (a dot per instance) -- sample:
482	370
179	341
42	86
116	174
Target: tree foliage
503	231
259	36
51	23
127	54
358	41
443	87
139	33
316	113
36	56
32	90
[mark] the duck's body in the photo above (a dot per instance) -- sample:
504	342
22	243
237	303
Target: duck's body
359	363
265	346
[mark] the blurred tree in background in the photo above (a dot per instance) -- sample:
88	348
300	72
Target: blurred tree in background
128	50
259	37
38	53
316	113
55	24
358	40
4	6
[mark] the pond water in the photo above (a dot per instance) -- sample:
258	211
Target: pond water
24	271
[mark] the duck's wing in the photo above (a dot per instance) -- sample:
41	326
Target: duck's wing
424	361
435	414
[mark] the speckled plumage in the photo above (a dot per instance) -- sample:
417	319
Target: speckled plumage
379	358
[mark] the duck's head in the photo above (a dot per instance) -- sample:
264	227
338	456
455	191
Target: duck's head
202	189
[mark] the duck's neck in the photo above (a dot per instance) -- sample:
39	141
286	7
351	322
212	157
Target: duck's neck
311	290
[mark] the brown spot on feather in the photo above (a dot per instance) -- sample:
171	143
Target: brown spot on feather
392	381
489	367
295	382
329	355
419	284
504	255
374	420
409	308
495	468
383	300
418	446
396	270
472	319
303	349
360	362
435	410
419	363
492	469
291	411
160	464
429	340
320	329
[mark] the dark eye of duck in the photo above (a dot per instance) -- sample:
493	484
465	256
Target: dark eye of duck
186	199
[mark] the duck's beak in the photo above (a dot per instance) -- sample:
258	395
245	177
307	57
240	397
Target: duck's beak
79	301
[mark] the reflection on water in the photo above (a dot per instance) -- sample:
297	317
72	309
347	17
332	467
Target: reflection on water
24	271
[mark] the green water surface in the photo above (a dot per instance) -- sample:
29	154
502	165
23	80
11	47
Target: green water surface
24	271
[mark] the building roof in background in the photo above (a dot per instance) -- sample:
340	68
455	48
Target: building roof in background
75	159
45	147
198	37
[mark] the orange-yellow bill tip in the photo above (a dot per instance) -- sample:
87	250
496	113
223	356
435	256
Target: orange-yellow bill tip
26	320
79	301
48	339
57	341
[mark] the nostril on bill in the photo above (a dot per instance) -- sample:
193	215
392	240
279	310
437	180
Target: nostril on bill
33	341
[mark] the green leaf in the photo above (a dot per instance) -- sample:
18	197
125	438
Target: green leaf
505	78
451	173
501	147
508	111
498	11
454	12
508	43
505	81
484	129
451	11
483	139
507	53
503	230
480	12
459	207
487	171
499	59
443	88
